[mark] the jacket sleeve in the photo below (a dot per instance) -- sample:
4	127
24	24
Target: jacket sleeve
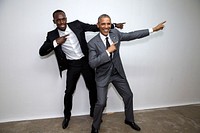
47	47
96	58
91	27
133	35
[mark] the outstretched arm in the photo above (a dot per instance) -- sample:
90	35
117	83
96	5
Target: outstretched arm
156	28
159	26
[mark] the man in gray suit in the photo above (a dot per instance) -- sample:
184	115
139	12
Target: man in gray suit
105	59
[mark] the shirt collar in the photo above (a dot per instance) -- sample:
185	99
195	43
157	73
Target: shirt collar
104	37
67	31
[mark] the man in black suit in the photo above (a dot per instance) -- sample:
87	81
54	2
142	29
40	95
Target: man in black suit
69	44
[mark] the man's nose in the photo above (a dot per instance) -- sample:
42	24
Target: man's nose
106	26
62	21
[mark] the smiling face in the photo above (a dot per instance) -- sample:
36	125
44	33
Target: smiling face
60	20
104	24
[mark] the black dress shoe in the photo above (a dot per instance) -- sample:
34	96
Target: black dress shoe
65	123
133	125
94	130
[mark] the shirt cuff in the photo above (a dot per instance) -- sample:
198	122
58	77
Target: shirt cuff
55	43
107	52
151	30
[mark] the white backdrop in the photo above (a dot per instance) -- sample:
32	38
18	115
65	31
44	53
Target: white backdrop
163	69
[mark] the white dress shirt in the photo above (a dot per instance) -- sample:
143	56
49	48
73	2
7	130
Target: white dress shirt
103	38
71	47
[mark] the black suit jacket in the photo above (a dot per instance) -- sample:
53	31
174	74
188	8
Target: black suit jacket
79	28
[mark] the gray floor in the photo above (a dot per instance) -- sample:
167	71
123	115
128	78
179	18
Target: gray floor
182	119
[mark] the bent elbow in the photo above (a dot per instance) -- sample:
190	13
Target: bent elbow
41	53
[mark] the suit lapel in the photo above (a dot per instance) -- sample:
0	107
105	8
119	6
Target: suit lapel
114	40
113	37
54	34
100	43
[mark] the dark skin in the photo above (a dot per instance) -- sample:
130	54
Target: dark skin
60	20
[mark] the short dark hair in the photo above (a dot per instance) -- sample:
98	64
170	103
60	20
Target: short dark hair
57	12
103	16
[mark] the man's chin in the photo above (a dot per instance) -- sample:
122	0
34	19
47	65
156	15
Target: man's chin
105	34
62	28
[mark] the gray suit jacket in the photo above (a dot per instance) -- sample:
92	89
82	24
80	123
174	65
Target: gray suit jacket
99	59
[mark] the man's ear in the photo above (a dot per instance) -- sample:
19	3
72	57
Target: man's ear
54	21
98	25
